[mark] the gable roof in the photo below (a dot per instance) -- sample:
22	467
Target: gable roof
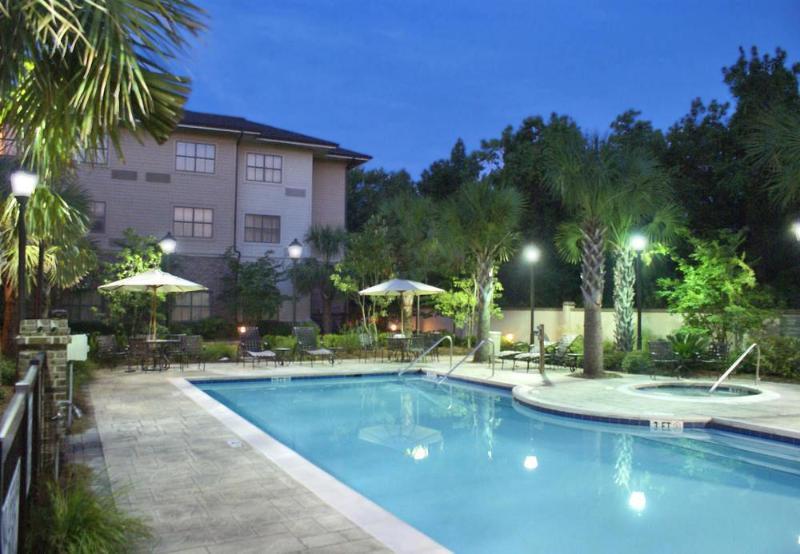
217	122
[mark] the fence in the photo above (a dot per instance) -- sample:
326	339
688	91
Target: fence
20	454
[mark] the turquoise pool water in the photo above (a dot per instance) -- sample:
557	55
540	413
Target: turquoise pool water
478	473
723	391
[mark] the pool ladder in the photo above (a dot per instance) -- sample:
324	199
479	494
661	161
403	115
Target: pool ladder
428	351
464	359
735	364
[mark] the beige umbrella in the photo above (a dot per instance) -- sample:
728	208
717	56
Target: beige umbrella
154	281
402	287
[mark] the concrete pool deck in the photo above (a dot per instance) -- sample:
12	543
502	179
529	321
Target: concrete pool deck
202	489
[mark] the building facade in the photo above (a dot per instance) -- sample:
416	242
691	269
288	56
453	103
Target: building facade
219	183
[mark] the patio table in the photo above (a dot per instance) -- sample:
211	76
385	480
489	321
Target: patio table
160	351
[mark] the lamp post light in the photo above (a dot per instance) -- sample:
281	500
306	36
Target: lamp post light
638	243
168	244
295	250
22	186
796	230
531	253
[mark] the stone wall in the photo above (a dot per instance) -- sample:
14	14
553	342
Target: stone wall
50	336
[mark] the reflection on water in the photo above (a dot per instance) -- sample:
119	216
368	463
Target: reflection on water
471	469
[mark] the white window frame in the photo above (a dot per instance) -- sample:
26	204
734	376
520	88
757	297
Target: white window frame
189	303
183	154
193	222
94	156
263	168
92	204
261	229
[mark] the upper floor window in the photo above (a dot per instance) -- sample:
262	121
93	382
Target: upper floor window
195	156
264	168
193	222
8	144
97	155
262	228
98	213
191	306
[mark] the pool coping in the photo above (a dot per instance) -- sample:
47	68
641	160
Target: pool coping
369	516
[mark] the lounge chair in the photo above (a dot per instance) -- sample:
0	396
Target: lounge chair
560	353
307	345
532	355
253	349
191	350
503	355
662	355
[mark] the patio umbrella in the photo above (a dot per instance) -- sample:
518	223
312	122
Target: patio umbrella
402	287
154	281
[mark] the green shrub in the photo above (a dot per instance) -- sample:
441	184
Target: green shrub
77	519
8	371
2	394
577	346
637	361
83	372
214	351
348	342
275	328
212	328
780	356
612	358
280	341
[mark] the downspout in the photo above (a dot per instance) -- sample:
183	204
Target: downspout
236	221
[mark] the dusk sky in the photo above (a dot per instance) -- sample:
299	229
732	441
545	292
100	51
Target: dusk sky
402	80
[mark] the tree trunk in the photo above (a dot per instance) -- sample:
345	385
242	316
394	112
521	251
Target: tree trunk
327	310
592	281
624	290
485	289
9	319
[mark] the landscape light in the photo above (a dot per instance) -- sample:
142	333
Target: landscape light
419	452
242	329
23	184
638	242
531	253
168	244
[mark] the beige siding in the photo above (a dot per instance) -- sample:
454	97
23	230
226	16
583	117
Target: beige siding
328	207
148	207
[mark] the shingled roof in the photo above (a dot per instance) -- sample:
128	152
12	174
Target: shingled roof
265	132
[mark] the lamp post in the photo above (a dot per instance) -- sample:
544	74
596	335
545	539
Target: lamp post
22	186
531	253
295	250
638	243
168	244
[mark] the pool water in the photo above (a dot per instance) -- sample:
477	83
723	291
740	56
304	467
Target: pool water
678	389
476	472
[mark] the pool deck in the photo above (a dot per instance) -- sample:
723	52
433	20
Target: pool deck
205	486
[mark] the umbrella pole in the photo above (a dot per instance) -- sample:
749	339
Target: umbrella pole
153	306
402	319
418	331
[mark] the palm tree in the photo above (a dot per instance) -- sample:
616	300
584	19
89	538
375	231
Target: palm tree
57	247
600	185
327	242
478	230
73	74
773	146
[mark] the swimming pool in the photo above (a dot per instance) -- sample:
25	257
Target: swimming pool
478	473
694	390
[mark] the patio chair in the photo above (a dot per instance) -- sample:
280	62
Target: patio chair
253	349
503	355
532	355
138	353
307	345
430	340
368	345
560	353
191	350
396	348
662	355
107	349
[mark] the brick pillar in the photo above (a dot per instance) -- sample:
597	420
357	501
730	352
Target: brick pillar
50	336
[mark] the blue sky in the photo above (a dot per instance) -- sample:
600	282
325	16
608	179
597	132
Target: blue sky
402	80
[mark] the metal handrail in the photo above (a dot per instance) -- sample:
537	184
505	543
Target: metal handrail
470	353
736	363
428	351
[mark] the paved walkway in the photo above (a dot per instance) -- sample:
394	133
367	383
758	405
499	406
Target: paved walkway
203	490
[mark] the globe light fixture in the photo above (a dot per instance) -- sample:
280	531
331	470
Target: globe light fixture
530	463
637	501
531	253
168	244
796	229
295	250
638	242
23	184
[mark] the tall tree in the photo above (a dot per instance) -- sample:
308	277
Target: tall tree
445	177
367	189
314	274
73	74
600	185
479	229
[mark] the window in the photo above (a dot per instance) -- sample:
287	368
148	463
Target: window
195	156
262	228
82	305
97	155
191	306
98	212
264	168
193	222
